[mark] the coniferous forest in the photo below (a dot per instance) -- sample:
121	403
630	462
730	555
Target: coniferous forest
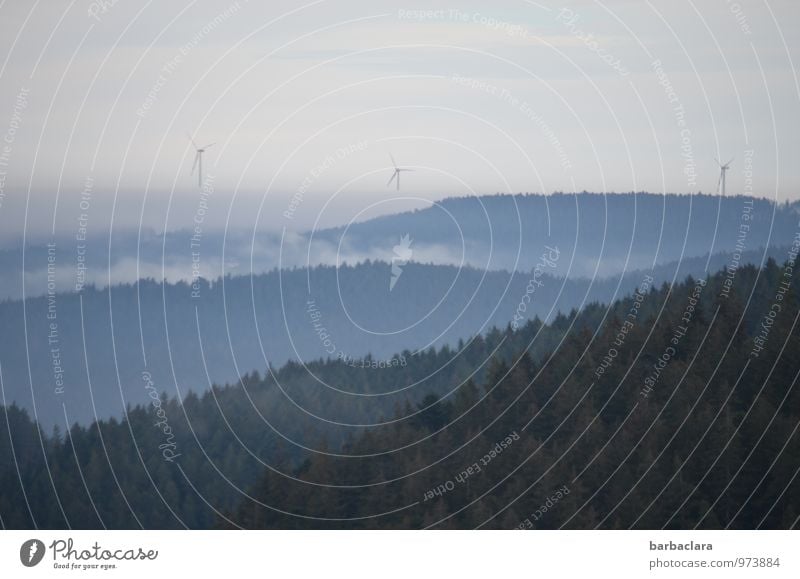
675	407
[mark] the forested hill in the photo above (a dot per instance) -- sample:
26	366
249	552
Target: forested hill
82	356
603	234
691	421
685	419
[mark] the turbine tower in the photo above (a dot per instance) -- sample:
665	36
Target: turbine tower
722	170
396	173
198	161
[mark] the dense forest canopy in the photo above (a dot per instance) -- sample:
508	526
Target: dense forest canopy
673	407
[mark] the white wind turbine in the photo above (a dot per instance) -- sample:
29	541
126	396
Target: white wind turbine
396	173
722	170
198	160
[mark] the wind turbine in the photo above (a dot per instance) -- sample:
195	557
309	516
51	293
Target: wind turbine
198	160
722	170
396	173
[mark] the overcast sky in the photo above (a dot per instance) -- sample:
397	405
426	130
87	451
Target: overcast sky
307	101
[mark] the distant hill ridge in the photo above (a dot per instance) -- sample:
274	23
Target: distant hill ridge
601	234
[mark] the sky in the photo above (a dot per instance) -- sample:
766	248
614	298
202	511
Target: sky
306	105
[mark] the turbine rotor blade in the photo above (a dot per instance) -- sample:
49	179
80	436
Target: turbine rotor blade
392	179
393	161
207	146
194	165
192	140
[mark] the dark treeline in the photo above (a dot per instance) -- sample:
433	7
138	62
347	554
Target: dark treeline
685	416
